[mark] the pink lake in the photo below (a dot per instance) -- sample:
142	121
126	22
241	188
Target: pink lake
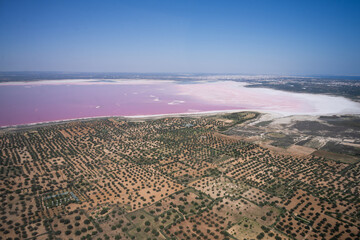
46	101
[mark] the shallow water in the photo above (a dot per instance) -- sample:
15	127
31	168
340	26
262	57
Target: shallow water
24	103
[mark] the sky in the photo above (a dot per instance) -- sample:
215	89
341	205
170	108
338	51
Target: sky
249	37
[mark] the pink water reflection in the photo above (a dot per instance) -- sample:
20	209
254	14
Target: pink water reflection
24	103
43	103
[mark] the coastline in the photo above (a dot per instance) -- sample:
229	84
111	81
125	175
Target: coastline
130	118
133	118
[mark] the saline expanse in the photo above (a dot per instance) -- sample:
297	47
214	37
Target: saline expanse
45	101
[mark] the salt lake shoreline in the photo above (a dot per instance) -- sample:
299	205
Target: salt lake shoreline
137	118
133	118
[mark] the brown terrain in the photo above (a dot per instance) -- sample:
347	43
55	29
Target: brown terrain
231	176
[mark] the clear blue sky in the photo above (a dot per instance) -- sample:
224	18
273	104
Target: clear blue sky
275	37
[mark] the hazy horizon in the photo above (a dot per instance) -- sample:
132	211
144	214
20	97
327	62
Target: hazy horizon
179	73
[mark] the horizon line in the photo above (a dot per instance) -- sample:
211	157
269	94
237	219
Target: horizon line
180	73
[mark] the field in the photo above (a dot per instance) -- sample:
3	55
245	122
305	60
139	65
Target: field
173	178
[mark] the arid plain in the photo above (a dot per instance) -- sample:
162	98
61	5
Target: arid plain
198	177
